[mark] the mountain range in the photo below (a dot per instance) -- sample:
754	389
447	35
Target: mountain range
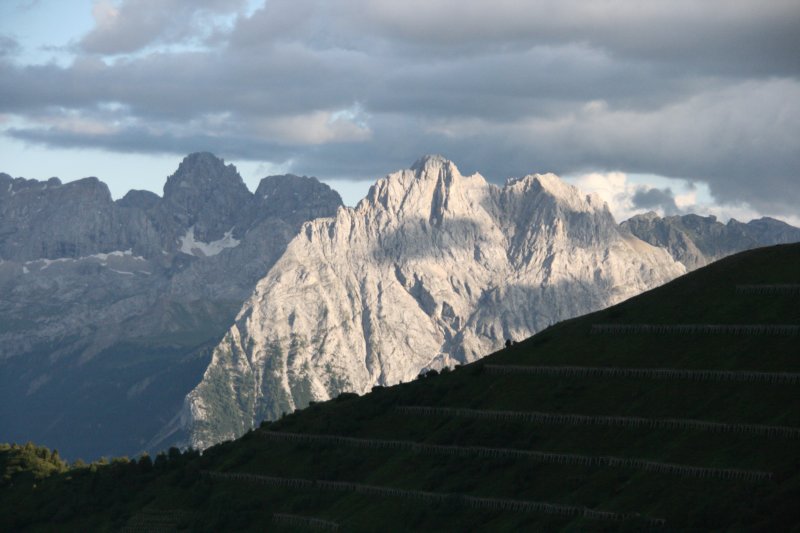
187	318
109	309
697	241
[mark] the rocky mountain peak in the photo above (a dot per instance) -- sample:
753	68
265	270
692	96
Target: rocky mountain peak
141	199
51	220
431	190
90	186
207	195
426	163
650	215
85	281
549	186
6	185
11	186
295	198
431	269
203	173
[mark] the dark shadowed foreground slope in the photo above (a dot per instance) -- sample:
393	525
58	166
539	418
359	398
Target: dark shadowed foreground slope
677	409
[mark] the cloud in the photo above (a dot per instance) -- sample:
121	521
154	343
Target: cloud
626	198
319	127
701	91
8	45
131	25
612	187
723	35
662	199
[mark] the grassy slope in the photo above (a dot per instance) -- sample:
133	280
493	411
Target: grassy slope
115	497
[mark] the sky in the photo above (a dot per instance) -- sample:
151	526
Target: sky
669	105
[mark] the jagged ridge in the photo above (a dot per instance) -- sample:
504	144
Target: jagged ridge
431	269
116	304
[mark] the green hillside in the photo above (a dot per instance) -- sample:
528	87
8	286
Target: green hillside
678	409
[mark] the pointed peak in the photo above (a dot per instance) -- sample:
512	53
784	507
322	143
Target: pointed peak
204	157
650	215
202	163
553	183
558	192
204	171
430	161
548	182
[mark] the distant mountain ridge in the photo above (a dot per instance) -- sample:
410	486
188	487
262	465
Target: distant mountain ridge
431	269
108	308
697	241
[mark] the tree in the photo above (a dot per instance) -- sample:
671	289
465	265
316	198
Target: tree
174	453
161	461
145	463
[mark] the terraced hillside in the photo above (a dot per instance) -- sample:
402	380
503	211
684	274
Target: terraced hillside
677	409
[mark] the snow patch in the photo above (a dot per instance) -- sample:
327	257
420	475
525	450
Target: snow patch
117	253
103	258
191	246
48	262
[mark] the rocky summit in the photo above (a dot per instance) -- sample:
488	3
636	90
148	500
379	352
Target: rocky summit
431	269
108	310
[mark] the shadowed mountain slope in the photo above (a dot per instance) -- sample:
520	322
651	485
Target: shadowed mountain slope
676	409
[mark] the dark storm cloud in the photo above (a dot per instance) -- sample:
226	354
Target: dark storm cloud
137	140
662	199
741	36
704	91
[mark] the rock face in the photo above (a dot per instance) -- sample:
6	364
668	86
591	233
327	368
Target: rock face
696	241
431	269
109	310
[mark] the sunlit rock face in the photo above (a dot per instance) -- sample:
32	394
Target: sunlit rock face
108	310
431	269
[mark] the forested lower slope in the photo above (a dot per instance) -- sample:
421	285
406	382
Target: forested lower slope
677	409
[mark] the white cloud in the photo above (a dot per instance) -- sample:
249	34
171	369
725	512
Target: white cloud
686	201
618	189
613	188
317	127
